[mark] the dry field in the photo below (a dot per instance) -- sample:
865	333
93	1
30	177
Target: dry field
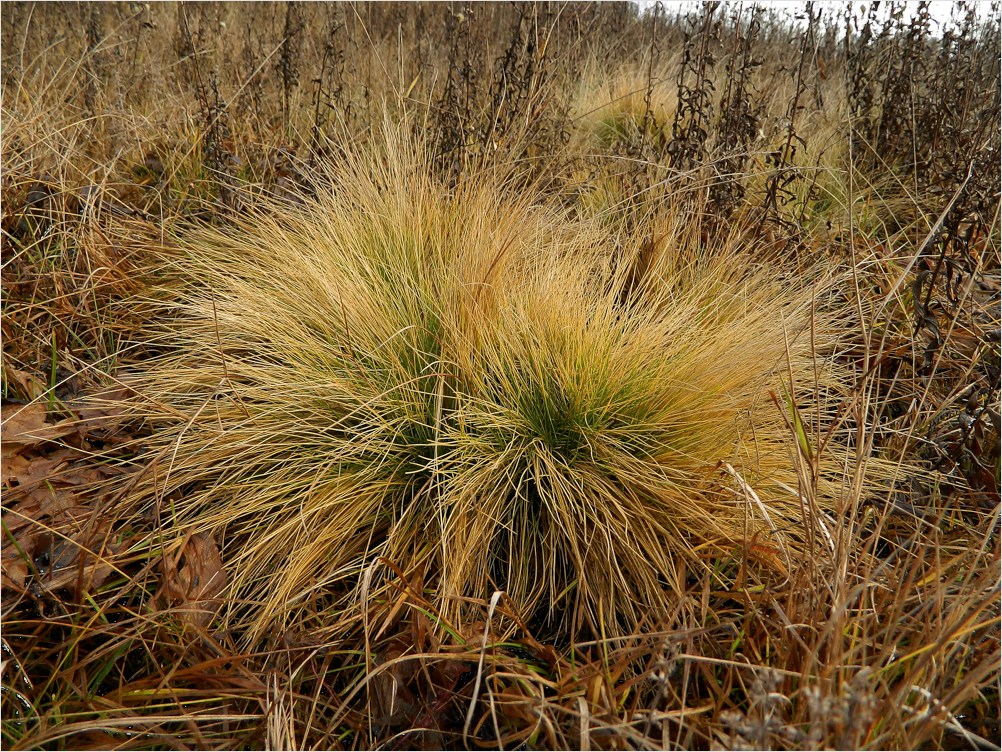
500	376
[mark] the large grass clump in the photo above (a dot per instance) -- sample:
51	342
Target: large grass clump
479	389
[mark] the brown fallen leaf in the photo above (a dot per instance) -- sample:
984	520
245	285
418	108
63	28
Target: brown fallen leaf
25	426
46	497
391	699
39	513
78	476
14	469
30	386
14	574
105	409
45	502
195	586
23	473
55	536
108	402
78	567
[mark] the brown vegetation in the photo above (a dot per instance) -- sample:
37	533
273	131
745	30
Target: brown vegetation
497	375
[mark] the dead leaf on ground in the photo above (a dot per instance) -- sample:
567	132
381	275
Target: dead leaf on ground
391	698
23	473
104	410
79	567
24	426
68	544
15	572
30	385
41	503
14	468
194	587
54	528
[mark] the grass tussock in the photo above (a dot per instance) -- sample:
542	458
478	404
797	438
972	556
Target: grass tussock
470	386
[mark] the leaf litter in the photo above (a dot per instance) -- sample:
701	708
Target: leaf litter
54	534
194	579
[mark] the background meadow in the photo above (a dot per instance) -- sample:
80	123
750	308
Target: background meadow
500	375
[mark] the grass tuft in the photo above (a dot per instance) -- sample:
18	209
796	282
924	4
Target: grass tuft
467	385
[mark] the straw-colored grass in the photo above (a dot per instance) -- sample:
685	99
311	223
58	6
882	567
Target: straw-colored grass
472	387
